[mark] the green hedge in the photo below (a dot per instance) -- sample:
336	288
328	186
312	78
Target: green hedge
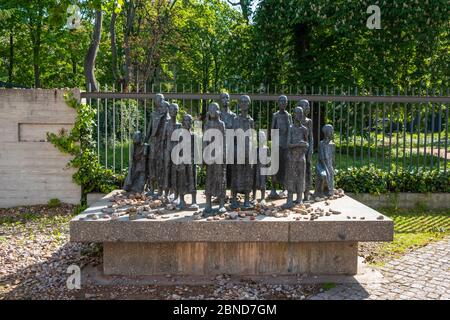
369	179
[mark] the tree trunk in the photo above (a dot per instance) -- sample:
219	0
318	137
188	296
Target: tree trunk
112	32
130	18
36	41
11	57
91	55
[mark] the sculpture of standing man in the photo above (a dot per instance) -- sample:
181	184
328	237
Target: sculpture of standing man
304	104
243	174
297	144
216	178
155	140
325	163
281	120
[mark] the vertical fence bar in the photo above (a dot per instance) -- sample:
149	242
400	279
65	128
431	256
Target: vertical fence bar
405	113
145	109
114	131
348	130
419	120
383	120
362	134
439	133
432	132
121	130
376	128
446	133
340	134
106	129
397	126
390	134
369	133
354	129
98	128
425	133
411	133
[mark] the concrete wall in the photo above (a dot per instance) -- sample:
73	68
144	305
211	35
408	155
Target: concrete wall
32	170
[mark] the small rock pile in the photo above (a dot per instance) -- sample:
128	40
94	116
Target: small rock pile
135	205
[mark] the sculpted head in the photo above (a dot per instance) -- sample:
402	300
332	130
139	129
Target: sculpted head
224	99
173	110
213	111
244	103
186	123
305	105
299	114
282	102
328	131
158	100
137	138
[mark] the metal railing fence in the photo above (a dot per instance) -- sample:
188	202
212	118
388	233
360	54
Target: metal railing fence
385	128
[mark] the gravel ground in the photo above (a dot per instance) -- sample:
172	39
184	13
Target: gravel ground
35	253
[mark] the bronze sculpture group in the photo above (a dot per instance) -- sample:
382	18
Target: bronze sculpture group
152	170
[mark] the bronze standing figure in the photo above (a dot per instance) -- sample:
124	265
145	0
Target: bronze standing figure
281	120
297	144
216	176
307	122
325	163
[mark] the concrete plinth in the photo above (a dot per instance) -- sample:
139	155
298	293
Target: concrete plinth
246	258
175	243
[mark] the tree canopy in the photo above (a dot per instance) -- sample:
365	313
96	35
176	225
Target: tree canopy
209	45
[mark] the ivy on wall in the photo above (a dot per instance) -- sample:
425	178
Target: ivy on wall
90	175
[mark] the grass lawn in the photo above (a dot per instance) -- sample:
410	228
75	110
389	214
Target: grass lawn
412	230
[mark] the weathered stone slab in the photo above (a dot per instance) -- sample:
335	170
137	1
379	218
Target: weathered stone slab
179	226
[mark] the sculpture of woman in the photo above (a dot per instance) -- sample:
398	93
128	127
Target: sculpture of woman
297	144
325	163
216	176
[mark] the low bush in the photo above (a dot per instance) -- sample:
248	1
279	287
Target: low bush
369	179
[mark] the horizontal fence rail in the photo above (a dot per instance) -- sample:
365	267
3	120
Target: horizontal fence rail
264	97
390	131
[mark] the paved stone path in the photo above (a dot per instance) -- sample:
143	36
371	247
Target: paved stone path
422	274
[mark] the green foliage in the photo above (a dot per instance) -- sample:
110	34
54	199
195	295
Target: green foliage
54	203
91	176
369	179
318	42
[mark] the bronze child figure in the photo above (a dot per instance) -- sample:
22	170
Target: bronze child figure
169	170
186	173
216	179
135	181
325	163
297	144
243	174
307	122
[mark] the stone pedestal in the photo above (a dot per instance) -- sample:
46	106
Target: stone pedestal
178	244
213	258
